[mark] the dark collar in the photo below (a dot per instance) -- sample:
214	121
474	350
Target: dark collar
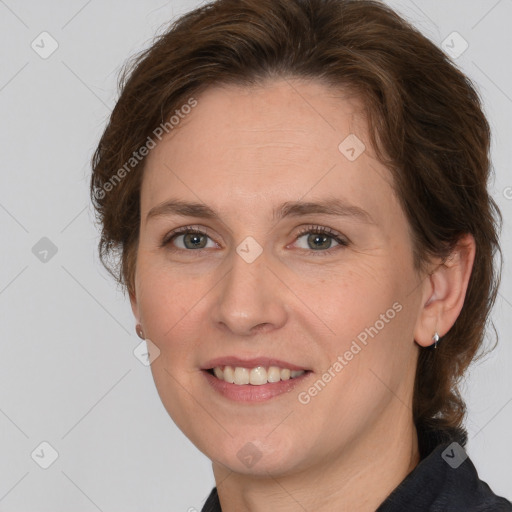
445	479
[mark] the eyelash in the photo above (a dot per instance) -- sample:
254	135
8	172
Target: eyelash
312	229
323	230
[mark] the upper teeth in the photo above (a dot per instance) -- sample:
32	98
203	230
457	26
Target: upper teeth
257	376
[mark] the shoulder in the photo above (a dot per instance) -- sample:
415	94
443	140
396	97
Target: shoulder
464	488
445	479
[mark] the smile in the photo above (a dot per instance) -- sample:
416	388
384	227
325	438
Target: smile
256	376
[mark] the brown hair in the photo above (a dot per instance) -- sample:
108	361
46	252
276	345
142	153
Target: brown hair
426	124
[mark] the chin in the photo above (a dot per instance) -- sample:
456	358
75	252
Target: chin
256	454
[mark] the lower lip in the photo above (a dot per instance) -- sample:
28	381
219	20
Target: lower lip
250	392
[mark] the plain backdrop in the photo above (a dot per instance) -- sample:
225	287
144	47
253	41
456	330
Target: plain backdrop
68	374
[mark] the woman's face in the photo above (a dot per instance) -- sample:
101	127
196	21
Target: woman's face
265	291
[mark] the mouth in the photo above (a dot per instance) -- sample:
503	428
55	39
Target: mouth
256	376
253	381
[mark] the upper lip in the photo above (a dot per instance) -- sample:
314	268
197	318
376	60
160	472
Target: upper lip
250	363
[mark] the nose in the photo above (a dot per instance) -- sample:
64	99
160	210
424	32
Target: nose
250	299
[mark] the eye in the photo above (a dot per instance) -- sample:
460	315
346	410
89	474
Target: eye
320	239
191	238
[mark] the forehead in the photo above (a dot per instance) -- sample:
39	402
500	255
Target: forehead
299	111
281	141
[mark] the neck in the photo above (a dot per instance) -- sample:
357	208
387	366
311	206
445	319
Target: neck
360	478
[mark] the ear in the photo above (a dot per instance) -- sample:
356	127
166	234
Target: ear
445	291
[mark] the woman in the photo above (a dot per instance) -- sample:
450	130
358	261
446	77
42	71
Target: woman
297	191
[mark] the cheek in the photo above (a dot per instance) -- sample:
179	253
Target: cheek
368	323
170	308
172	313
349	299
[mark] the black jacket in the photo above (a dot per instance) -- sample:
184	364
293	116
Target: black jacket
445	480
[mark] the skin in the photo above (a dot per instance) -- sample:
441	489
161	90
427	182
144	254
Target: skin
242	152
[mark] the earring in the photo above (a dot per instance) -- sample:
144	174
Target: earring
435	339
139	331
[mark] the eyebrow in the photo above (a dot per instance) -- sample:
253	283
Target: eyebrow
334	207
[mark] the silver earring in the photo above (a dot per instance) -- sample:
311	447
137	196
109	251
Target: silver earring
435	339
139	331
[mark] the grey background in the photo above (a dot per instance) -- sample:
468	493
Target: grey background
68	374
